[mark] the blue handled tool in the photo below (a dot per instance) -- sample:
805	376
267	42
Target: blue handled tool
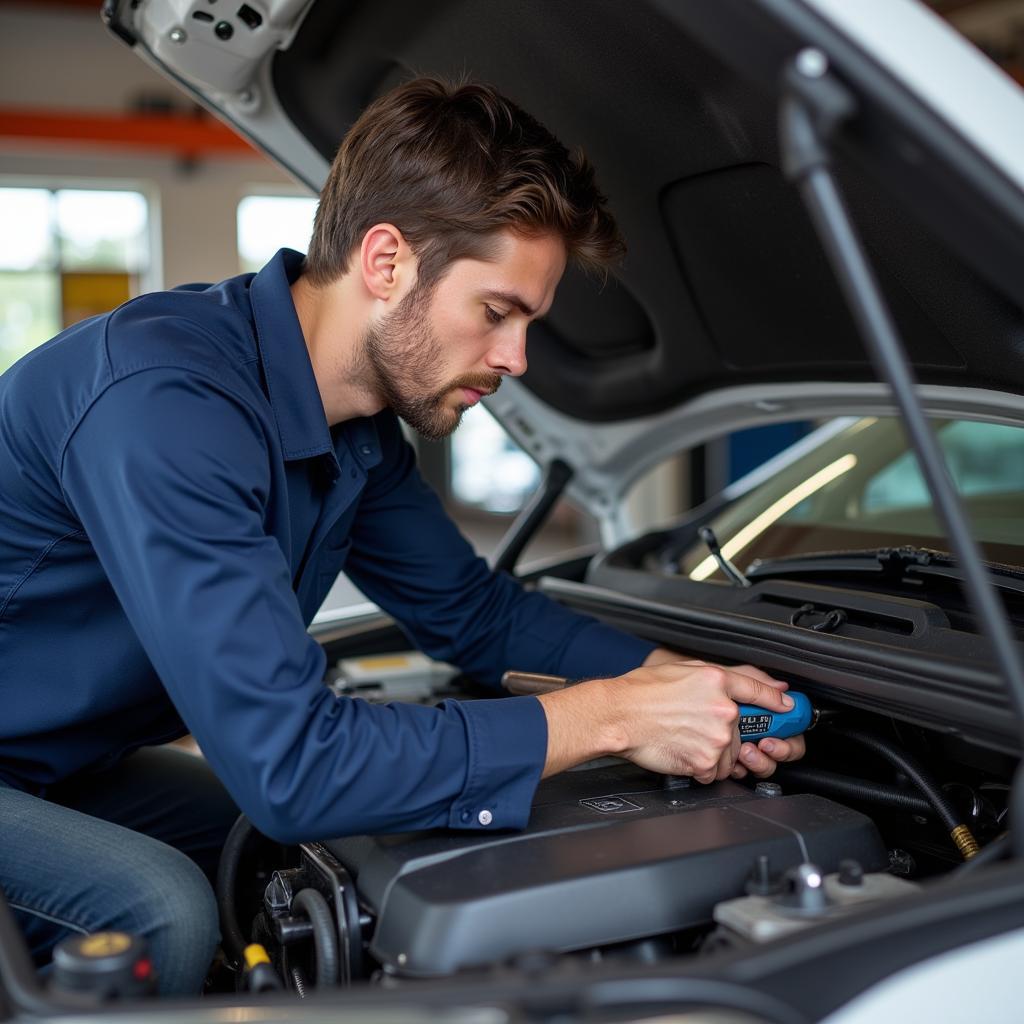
760	723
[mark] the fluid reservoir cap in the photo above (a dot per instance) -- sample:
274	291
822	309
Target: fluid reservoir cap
109	965
768	789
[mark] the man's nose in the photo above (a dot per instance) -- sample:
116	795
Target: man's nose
509	355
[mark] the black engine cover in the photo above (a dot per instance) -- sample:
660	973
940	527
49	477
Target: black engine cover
609	855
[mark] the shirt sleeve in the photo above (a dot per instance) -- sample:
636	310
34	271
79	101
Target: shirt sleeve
410	558
169	474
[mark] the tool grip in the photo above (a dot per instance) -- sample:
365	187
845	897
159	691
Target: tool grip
532	684
756	723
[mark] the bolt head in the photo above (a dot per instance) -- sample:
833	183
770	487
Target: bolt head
402	959
850	872
177	35
811	62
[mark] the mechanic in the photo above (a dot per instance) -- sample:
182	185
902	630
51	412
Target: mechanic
181	480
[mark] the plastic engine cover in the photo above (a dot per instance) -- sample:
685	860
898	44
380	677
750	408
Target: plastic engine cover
609	855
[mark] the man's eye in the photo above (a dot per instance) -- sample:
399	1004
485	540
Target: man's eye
494	316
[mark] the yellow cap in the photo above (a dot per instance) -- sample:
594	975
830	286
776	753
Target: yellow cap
104	944
255	954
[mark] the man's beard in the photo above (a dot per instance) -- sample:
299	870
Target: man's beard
403	361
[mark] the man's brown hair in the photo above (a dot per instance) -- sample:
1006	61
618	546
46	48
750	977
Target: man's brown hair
449	165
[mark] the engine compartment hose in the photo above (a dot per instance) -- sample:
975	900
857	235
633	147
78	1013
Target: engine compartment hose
233	940
853	788
923	780
325	936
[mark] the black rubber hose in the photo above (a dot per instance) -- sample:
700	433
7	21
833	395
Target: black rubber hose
227	876
912	768
853	788
325	937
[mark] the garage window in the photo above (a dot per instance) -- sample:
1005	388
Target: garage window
489	470
66	254
268	223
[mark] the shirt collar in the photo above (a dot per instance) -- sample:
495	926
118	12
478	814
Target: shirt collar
294	396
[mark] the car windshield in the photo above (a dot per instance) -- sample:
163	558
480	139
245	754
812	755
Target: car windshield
862	489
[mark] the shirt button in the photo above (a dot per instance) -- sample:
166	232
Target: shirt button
485	817
465	816
366	449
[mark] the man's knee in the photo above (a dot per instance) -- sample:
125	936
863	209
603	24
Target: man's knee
173	906
66	872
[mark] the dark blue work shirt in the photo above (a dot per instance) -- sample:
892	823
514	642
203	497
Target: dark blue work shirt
173	511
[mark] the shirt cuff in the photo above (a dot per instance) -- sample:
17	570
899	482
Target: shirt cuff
598	651
507	740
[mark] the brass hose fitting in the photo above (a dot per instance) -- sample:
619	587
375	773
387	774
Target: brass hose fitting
965	842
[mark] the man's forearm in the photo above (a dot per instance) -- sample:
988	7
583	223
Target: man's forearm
583	723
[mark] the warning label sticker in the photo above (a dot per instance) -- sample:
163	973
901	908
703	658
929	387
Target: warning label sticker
610	804
750	724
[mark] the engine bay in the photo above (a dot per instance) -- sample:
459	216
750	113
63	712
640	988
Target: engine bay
622	866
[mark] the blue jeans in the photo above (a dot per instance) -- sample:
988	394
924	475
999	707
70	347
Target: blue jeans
133	848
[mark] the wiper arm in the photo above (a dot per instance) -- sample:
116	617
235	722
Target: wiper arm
734	574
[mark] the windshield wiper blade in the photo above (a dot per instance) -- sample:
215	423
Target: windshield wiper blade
894	563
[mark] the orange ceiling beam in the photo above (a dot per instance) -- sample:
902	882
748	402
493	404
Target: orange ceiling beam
182	134
93	5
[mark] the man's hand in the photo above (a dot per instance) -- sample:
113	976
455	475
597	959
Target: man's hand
763	758
678	718
663	656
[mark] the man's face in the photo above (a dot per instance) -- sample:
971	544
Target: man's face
444	347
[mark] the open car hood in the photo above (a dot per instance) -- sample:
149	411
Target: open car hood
725	313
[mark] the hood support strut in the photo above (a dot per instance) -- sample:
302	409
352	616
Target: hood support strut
814	104
533	516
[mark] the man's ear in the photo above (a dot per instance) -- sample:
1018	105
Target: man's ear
386	262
